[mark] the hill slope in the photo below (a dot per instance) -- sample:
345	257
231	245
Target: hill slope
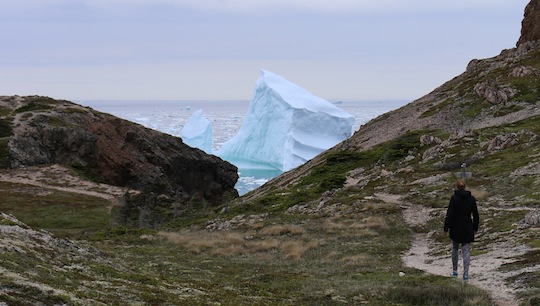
43	131
485	119
490	93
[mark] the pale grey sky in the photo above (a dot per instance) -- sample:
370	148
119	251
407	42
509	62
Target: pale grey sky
215	49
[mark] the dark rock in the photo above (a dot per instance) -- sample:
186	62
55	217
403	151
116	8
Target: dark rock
530	26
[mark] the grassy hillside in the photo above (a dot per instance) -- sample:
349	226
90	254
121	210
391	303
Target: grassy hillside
340	253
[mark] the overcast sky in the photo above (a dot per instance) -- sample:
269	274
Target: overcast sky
215	49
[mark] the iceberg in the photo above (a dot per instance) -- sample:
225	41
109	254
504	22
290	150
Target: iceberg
285	126
197	132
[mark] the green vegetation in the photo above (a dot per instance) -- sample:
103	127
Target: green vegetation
63	213
350	253
86	172
145	210
20	295
529	259
5	128
440	106
530	123
34	105
332	174
4	111
4	153
507	109
5	131
528	87
435	291
472	109
56	121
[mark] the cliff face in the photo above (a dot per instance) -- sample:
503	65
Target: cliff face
530	27
115	151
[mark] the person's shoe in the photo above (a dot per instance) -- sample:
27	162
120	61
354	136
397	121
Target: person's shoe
465	277
453	274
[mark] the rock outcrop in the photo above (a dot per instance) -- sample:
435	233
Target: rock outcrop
530	27
492	93
109	149
532	218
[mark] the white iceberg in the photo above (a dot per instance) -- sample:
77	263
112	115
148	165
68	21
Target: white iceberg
197	132
285	126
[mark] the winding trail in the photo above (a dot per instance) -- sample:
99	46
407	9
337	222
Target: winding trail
484	269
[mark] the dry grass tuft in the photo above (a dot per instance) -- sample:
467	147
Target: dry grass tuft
477	300
375	222
257	225
230	243
276	230
354	259
478	194
231	250
296	249
366	232
331	225
263	245
197	241
365	228
332	255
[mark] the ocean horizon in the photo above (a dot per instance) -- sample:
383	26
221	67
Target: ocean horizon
226	116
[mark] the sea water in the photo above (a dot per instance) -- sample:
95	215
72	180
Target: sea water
226	117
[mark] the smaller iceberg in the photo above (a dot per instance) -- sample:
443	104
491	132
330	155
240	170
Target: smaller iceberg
285	126
197	132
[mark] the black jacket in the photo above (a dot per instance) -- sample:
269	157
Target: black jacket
458	217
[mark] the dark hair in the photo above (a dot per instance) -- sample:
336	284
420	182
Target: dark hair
460	184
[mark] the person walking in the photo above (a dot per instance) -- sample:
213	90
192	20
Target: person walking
462	228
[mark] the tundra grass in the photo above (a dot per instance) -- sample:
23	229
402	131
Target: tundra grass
351	255
63	213
354	258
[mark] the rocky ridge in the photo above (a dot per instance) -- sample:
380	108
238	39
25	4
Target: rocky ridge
44	131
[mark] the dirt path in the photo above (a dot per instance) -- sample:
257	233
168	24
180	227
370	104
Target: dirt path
484	268
56	177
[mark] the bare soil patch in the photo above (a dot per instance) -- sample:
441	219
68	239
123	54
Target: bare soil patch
57	177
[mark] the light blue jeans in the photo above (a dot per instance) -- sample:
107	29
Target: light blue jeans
466	253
